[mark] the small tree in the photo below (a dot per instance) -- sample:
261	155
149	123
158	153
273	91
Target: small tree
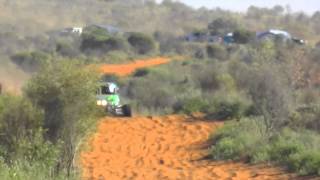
141	43
221	26
217	51
243	36
270	97
19	121
65	92
29	61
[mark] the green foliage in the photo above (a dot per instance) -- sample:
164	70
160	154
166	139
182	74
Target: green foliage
103	45
141	72
221	26
217	51
208	79
95	34
30	61
235	141
270	98
141	43
98	39
296	150
23	147
231	106
305	163
22	169
243	36
194	105
65	90
67	49
19	121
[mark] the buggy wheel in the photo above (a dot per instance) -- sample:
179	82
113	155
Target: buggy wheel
126	109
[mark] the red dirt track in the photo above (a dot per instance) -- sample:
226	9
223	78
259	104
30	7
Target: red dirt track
126	69
170	147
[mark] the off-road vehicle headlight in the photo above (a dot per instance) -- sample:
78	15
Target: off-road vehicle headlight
99	102
104	102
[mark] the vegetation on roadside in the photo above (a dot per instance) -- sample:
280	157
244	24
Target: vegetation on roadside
41	131
247	140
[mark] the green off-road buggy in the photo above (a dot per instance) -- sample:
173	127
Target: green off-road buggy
108	97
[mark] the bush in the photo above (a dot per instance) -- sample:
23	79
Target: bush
103	44
141	72
225	107
269	93
151	96
305	163
296	150
19	121
23	150
64	90
141	43
221	26
194	105
67	49
24	169
30	61
208	79
115	44
217	52
98	39
235	141
242	36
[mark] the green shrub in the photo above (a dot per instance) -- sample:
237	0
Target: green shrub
64	90
115	44
67	49
221	26
194	105
305	163
30	61
243	36
232	106
19	121
227	148
114	57
283	149
103	43
141	43
208	79
296	150
95	38
141	72
23	148
235	140
217	52
23	169
95	33
151	96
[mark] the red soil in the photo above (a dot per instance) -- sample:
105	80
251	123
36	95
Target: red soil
126	69
170	147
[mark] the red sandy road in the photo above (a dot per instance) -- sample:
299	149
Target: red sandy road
126	69
162	148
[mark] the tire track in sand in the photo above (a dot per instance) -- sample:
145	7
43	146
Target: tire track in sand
162	148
